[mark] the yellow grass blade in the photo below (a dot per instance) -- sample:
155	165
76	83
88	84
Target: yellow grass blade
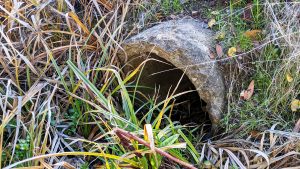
79	23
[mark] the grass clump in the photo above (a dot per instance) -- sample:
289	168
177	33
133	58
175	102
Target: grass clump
171	6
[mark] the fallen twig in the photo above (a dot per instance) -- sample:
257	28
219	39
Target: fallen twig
128	135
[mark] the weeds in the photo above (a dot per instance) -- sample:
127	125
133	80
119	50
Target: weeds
258	59
62	92
171	6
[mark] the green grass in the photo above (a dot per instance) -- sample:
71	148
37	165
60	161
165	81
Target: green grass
171	6
259	60
63	94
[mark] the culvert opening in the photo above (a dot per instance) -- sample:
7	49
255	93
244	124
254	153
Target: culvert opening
160	77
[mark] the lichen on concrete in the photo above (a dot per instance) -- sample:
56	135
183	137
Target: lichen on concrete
185	43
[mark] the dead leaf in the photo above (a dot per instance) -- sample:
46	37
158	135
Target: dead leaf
297	127
246	94
289	78
231	51
295	105
211	55
211	23
252	34
219	50
256	134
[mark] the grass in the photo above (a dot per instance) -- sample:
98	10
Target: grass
73	94
171	6
258	59
64	98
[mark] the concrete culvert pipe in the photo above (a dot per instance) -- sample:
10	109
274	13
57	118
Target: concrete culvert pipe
181	46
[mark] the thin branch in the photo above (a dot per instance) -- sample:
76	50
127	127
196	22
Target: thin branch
128	135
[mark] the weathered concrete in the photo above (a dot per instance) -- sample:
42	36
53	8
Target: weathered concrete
185	44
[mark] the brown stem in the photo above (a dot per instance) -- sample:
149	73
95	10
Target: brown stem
127	134
126	144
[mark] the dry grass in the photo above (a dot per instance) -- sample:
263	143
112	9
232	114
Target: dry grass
268	63
62	92
284	33
270	149
37	87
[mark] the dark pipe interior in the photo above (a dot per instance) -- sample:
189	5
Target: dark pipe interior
189	109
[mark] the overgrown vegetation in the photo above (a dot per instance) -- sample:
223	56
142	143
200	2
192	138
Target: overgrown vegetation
262	56
66	103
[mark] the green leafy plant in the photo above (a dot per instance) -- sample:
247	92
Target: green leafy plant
169	6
